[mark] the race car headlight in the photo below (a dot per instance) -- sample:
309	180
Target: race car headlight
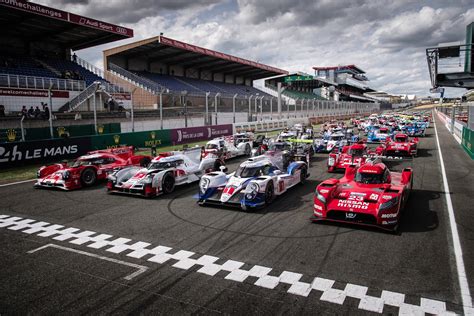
204	184
252	191
389	204
148	179
331	161
66	175
320	197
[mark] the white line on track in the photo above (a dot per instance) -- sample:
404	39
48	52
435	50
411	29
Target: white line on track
462	277
140	268
13	183
231	270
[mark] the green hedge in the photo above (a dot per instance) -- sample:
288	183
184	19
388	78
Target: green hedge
159	138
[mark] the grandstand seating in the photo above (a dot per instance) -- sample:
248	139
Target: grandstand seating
302	95
63	65
199	86
25	66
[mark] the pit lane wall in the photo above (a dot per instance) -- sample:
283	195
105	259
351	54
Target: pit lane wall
17	153
462	134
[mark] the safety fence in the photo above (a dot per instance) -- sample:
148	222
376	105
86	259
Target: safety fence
462	134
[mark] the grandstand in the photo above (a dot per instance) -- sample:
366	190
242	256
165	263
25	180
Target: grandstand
163	65
37	54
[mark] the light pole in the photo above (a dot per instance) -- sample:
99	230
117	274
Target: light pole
185	107
261	107
271	108
256	100
161	108
50	95
233	106
206	118
296	101
215	103
250	107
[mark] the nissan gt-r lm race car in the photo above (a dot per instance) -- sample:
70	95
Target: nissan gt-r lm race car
163	173
254	184
88	169
369	195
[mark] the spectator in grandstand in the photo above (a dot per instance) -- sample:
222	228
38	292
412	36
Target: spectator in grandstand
2	110
31	112
37	112
74	58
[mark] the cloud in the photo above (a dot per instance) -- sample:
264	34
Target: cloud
385	38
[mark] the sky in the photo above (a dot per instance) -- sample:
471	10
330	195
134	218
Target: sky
387	39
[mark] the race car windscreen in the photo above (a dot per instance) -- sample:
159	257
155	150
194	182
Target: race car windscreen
401	139
369	178
250	172
356	152
280	147
337	137
165	164
211	146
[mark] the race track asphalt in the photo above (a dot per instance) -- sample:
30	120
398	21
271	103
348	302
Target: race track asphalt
349	269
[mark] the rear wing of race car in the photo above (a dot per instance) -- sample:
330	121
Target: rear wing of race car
394	163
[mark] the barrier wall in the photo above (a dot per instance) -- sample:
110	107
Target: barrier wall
468	141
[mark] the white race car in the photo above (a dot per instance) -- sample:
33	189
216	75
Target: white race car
254	184
330	142
229	146
163	173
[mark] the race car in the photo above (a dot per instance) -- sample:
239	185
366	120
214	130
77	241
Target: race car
229	146
400	145
164	173
378	135
369	195
254	184
413	130
330	142
355	154
86	170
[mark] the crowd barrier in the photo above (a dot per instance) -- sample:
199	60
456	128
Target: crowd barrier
462	134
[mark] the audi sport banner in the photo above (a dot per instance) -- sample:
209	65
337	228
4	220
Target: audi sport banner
194	134
22	153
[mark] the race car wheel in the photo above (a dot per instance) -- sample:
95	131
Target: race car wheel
303	174
145	161
88	177
168	183
269	193
248	150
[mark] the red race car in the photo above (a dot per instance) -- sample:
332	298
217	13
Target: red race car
400	145
368	195
88	169
354	154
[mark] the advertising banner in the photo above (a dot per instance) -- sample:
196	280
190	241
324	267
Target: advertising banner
148	139
12	92
22	153
195	134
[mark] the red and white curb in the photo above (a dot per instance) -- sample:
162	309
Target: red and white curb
182	260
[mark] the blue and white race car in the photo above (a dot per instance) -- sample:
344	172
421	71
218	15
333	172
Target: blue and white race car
378	135
254	184
414	131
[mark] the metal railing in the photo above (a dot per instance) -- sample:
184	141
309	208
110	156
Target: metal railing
85	64
31	82
82	97
139	81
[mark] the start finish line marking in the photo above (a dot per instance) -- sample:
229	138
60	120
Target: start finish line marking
140	269
181	259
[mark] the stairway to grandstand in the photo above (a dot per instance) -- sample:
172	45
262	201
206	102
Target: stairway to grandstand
199	86
62	66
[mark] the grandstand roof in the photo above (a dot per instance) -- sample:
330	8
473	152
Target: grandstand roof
34	22
171	51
